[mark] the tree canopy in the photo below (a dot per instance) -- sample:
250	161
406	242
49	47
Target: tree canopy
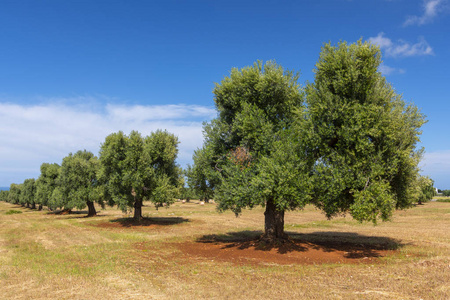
251	144
78	185
135	169
359	136
14	193
46	183
200	177
28	192
425	189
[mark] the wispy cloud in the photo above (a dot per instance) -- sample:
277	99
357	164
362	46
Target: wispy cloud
387	70
402	48
436	164
31	135
431	9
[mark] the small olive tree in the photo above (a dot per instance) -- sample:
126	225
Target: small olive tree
14	193
134	169
425	189
46	184
200	176
28	193
78	185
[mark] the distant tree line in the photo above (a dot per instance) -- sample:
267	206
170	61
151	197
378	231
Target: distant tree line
129	170
445	192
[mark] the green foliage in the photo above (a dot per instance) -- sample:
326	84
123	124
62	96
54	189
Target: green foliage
4	196
201	178
446	193
443	200
13	212
248	151
135	168
425	189
27	196
77	182
46	183
358	135
14	193
350	148
188	193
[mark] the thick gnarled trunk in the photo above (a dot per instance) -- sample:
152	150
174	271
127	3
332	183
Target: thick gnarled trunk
137	210
92	212
274	223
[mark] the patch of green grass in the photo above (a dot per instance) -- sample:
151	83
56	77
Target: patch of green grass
12	212
84	261
318	224
443	200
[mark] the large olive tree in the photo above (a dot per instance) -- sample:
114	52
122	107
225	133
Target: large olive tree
252	146
359	136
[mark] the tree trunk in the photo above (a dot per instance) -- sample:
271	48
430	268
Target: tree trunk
137	210
92	212
28	205
274	224
40	207
33	206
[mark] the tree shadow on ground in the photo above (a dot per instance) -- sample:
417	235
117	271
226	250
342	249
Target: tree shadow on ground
353	245
74	214
66	212
162	221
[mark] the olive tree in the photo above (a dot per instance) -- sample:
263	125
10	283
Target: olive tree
200	177
78	185
14	193
425	189
251	145
4	195
28	193
358	135
135	169
46	184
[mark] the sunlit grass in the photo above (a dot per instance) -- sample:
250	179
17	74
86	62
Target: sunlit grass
48	256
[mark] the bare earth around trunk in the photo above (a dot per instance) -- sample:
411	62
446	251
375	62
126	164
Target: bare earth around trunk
294	252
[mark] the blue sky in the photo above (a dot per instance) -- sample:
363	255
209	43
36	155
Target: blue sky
74	71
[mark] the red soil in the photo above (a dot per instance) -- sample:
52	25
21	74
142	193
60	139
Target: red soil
294	252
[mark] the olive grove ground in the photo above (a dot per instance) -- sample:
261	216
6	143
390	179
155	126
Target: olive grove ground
191	251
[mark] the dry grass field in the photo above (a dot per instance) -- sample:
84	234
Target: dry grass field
190	251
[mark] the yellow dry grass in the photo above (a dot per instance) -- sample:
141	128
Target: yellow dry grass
48	256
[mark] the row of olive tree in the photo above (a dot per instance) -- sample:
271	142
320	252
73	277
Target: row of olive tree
345	143
130	169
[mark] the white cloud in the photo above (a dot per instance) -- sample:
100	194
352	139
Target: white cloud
431	9
437	165
31	135
402	48
387	70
